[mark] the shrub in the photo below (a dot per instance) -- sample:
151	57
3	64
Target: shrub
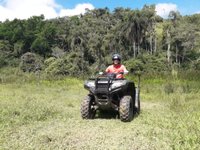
134	65
148	64
71	64
169	88
30	62
6	55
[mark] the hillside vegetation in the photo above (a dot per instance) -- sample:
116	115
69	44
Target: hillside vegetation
84	44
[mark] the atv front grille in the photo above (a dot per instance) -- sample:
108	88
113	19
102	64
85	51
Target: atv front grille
102	98
102	87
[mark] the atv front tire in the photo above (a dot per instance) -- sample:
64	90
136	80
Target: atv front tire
87	108
126	109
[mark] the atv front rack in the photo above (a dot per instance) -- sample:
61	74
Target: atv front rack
102	84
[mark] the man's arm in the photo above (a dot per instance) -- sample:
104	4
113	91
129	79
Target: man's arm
125	70
108	69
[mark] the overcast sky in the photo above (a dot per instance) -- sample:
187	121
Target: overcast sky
23	9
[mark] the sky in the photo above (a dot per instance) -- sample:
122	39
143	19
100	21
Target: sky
23	9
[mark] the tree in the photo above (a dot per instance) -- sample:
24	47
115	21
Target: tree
41	46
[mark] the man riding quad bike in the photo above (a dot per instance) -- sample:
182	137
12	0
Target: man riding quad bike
110	91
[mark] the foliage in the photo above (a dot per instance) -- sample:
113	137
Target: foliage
30	62
148	64
71	64
145	40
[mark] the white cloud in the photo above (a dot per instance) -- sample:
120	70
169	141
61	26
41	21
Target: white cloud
23	9
79	9
163	9
5	13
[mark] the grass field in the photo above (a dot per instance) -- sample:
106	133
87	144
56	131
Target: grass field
42	114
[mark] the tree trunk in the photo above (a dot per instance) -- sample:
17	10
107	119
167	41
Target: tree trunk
138	49
168	47
168	53
134	50
146	46
176	53
151	47
155	44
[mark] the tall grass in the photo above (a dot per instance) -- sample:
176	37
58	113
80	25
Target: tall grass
38	113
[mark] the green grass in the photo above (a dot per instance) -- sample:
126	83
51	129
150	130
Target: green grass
43	114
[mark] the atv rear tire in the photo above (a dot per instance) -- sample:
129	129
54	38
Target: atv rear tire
126	109
87	108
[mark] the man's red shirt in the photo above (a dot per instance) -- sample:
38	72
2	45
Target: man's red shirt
117	69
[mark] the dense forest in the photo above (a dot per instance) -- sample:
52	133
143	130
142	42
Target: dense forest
84	44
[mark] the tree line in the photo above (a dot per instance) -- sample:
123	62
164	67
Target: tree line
84	44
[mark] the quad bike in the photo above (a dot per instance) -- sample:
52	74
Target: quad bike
106	92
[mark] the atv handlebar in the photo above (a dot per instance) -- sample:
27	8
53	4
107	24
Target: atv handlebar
105	73
109	75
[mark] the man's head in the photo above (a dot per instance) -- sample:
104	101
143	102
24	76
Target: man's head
116	58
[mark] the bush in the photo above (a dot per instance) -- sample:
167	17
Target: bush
196	65
3	61
71	64
30	62
148	64
6	55
134	65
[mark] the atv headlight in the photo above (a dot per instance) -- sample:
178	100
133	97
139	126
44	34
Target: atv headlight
117	84
89	84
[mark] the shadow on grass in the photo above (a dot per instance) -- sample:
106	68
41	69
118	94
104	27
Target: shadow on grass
105	114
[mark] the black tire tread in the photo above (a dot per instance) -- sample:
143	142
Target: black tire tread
125	113
85	108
